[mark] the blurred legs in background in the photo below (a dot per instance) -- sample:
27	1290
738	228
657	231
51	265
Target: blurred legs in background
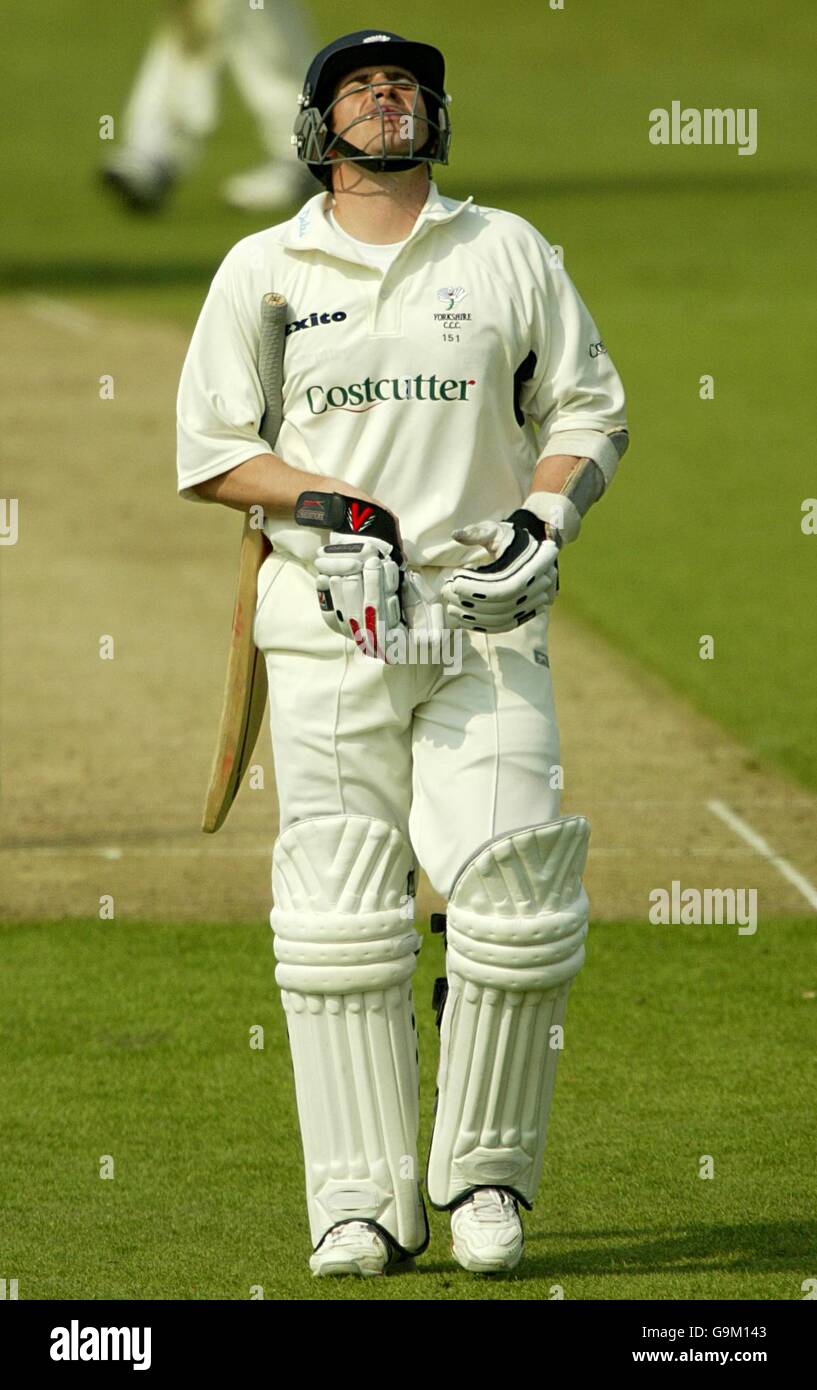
268	62
174	103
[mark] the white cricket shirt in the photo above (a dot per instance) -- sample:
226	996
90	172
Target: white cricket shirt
434	384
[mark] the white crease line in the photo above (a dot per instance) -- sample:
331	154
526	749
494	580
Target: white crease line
63	315
764	849
698	851
115	852
801	803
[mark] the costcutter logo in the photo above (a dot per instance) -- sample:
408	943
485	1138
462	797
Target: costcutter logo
361	396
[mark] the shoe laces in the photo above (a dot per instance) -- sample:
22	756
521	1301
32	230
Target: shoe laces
338	1233
490	1205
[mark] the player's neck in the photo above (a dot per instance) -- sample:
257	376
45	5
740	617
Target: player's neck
378	208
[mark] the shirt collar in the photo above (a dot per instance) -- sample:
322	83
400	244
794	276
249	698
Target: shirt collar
311	230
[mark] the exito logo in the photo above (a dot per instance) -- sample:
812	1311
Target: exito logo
313	321
365	395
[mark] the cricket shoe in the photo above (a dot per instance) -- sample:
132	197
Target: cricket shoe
358	1247
487	1235
141	182
277	184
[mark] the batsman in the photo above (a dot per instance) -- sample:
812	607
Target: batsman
448	415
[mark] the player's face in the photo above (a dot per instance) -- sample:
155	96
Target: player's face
365	95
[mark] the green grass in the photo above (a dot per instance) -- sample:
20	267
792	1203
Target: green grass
693	260
132	1041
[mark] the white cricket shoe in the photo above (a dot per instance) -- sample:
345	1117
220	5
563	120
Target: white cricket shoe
354	1247
274	185
487	1232
143	183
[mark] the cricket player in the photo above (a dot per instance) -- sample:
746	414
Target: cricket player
443	377
173	105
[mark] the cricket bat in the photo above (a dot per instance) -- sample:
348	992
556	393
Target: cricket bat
245	689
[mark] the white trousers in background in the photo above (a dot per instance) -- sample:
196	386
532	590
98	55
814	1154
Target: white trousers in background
175	98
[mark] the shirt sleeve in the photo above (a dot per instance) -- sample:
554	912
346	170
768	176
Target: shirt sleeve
573	394
220	402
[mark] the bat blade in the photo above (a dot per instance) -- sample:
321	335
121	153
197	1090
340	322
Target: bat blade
245	689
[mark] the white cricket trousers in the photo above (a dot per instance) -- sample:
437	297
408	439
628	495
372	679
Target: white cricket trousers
174	103
452	760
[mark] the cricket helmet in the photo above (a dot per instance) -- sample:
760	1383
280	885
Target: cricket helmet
313	137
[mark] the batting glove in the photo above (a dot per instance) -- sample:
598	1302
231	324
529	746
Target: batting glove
359	571
520	582
359	591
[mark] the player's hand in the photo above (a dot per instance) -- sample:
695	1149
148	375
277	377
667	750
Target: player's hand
359	591
519	581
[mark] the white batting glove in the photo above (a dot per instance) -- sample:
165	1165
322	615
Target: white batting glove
424	613
519	581
358	591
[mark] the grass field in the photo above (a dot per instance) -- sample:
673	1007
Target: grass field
132	1040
